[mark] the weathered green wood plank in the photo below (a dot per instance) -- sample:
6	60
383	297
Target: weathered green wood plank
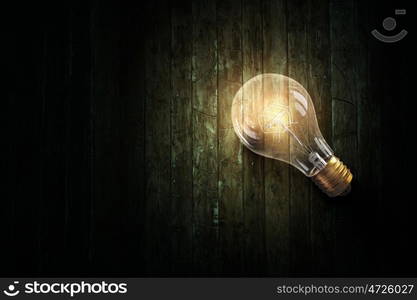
277	180
319	87
181	138
107	215
300	202
132	98
205	170
158	138
345	93
253	164
90	147
229	28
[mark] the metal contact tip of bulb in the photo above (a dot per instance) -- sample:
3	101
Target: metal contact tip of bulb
334	179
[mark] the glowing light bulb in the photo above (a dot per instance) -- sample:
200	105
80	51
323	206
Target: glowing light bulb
273	116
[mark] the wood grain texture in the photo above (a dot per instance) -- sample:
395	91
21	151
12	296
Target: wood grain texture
319	87
253	165
345	63
370	134
300	200
205	132
229	30
158	138
121	158
277	173
181	138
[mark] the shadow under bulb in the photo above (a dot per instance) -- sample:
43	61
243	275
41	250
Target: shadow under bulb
273	116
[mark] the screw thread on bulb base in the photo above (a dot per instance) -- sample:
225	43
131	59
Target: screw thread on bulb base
334	179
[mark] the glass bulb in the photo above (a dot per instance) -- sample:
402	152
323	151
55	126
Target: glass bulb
273	115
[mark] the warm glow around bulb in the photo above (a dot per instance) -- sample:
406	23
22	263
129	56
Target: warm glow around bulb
273	115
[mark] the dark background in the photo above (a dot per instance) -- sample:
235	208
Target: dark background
120	158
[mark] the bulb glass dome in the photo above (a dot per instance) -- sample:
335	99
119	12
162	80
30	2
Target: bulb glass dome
273	115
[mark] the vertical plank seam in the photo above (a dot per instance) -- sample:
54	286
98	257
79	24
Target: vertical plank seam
170	136
290	267
242	40
192	140
307	33
263	203
334	214
218	265
331	73
261	3
330	78
145	200
288	166
358	103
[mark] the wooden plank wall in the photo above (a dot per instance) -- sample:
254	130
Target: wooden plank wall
129	156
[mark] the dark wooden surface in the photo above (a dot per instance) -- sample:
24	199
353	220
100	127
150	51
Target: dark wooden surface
121	160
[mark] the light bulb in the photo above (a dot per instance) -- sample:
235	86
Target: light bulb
273	116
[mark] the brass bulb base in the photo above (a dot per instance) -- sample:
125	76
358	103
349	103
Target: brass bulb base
334	179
